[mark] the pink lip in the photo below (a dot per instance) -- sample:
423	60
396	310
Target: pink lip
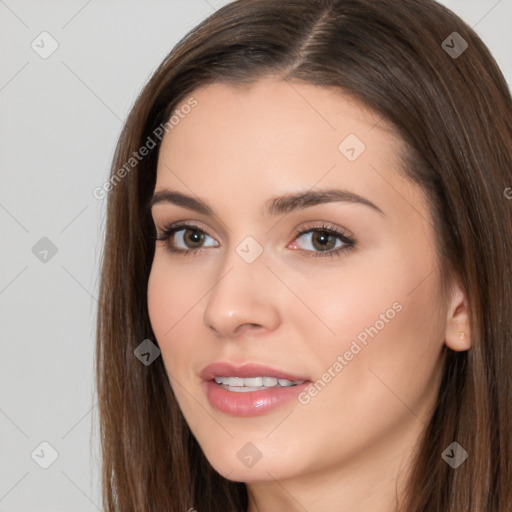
249	403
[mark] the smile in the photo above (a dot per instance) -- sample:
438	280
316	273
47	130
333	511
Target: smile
238	384
250	389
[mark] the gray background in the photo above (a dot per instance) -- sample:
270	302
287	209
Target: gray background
59	122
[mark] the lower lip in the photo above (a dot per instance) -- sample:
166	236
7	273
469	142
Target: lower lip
251	403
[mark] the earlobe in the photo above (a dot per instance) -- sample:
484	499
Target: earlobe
458	343
462	343
458	335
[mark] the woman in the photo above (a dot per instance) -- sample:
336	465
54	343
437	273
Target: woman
240	365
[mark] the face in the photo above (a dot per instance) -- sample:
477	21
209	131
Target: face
341	292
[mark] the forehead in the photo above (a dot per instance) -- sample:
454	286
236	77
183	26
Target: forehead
272	137
275	119
277	103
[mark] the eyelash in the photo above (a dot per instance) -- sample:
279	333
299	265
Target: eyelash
350	244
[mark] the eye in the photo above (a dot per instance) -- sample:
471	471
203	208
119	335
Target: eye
192	237
323	241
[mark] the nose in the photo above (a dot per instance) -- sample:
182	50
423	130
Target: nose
241	299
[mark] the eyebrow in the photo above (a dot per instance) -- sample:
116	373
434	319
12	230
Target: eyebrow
275	206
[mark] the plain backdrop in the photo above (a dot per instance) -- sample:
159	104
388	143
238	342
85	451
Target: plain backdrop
60	118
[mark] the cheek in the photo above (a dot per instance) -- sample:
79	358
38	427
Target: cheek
173	310
385	323
171	299
389	342
352	302
161	301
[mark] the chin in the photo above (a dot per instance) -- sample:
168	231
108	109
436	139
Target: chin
262	470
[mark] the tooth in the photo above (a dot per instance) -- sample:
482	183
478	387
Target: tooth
253	381
243	389
235	381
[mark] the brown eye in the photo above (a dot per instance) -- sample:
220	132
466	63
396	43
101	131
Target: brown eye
192	238
322	240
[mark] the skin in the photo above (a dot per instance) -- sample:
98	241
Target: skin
349	448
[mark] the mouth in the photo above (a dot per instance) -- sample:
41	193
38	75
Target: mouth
250	389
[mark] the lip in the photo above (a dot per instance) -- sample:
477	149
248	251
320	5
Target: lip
249	403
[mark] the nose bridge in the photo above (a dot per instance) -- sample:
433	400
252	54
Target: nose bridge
241	292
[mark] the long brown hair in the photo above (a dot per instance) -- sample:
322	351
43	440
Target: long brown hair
454	113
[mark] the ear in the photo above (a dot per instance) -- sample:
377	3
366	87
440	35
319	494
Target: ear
457	335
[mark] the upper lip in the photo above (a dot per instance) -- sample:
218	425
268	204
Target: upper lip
226	369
